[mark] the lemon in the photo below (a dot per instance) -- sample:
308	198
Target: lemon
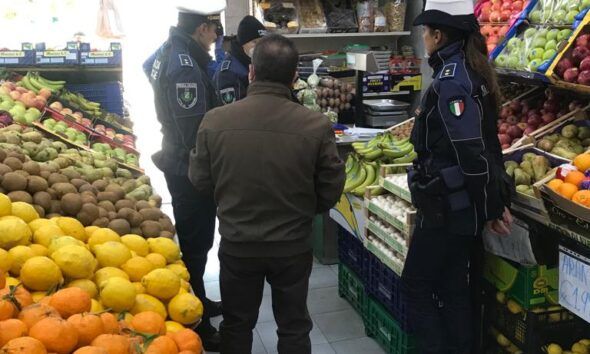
10	281
90	229
62	241
185	285
137	244
137	268
185	309
157	260
24	211
72	227
161	283
145	302
112	254
139	288
166	247
40	274
39	250
5	260
38	296
101	236
14	232
554	349
180	270
76	262
579	348
183	291
106	273
173	327
96	307
86	285
117	294
39	223
5	205
46	233
20	254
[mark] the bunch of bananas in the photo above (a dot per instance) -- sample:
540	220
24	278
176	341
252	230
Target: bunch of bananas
360	175
35	82
387	148
79	102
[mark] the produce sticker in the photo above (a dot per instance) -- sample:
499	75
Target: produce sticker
574	282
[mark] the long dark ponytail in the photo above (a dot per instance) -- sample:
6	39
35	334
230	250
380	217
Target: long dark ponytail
476	53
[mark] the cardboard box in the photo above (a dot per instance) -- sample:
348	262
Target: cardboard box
350	214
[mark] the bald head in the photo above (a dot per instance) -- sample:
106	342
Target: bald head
275	60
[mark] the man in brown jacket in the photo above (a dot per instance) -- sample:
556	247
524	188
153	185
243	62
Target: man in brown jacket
271	165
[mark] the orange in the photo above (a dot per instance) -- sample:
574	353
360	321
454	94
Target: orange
162	345
88	326
2	279
70	301
110	323
582	162
113	343
24	345
11	329
575	178
567	190
554	184
187	340
32	314
57	335
149	322
91	350
582	197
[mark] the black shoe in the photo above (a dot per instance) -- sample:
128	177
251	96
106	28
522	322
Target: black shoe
213	308
209	336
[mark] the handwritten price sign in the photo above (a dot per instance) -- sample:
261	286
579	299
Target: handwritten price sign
574	282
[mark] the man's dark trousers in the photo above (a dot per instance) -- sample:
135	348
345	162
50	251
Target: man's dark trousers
194	216
242	286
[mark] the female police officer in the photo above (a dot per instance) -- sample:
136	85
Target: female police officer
457	182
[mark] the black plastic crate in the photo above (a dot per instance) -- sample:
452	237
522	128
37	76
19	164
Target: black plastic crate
386	286
352	253
351	287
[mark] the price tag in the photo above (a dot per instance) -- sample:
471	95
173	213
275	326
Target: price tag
574	282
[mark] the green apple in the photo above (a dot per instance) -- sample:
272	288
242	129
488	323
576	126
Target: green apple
6	106
513	43
559	16
550	53
20	104
570	17
539	42
542	32
536	16
564	34
530	33
553	34
584	5
536	53
513	62
6	98
534	64
30	117
501	61
34	111
551	44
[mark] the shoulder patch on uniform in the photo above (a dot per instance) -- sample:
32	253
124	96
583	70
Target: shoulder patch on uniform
186	95
448	71
228	95
457	106
185	60
225	65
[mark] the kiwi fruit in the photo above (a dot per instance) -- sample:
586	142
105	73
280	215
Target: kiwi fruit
87	188
78	182
71	203
167	234
116	190
13	181
167	224
22	173
102	213
157	200
112	215
107	205
42	199
151	214
120	226
142	204
13	163
71	174
45	174
32	168
101	222
62	189
107	196
39	210
55	207
20	196
88	214
88	198
52	193
55	178
100	185
125	204
150	228
37	184
3	155
17	155
135	219
4	169
136	231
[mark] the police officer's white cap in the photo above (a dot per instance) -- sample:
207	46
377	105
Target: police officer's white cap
451	13
452	7
201	7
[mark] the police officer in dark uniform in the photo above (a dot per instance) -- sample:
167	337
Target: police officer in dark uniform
458	183
183	93
231	79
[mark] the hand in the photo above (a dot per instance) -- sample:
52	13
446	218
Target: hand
501	226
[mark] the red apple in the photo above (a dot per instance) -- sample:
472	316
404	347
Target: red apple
522	125
495	16
584	77
505	15
497	6
503	30
583	40
517	5
529	130
505	139
563	65
551	106
487	30
503	128
512	120
516	106
571	75
534	121
585	64
515	132
548	118
580	53
507	5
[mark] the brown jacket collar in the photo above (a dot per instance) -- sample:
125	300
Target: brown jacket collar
269	88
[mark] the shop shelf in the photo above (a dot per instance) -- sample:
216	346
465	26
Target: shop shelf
385	237
351	287
386	286
387	331
352	252
347	35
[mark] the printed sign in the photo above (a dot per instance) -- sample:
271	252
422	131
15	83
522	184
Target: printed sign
574	282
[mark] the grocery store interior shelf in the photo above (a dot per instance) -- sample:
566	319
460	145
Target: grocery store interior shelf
340	35
75	74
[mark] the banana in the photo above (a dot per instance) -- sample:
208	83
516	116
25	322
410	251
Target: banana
349	163
401	141
36	84
377	191
356	180
407	159
398	151
373	155
36	81
359	145
50	83
26	83
371	175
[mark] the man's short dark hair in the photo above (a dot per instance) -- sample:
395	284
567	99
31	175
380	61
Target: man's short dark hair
275	59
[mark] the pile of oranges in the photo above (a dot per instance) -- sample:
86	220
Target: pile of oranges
63	323
574	186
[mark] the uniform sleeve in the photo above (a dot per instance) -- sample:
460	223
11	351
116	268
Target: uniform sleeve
187	101
462	119
148	65
199	171
227	86
330	173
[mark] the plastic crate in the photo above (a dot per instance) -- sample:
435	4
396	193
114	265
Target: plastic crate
386	286
352	253
351	287
386	331
108	94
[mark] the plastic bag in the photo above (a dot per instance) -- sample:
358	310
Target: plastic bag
311	15
339	16
279	16
309	97
557	12
365	11
380	21
109	24
395	12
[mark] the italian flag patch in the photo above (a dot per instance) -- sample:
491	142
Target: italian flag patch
457	107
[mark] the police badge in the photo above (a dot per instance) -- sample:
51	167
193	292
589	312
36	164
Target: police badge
186	95
228	95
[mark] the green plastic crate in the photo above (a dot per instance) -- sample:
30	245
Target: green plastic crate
352	289
386	331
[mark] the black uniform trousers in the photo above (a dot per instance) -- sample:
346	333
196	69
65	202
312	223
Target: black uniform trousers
194	215
442	288
242	287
